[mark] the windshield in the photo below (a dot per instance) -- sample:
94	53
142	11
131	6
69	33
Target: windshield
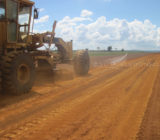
23	21
24	15
2	9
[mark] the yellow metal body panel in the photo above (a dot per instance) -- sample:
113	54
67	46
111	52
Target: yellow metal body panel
3	34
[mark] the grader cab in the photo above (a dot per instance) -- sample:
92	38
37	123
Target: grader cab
19	48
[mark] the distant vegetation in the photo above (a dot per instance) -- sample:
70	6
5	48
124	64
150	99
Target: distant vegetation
106	53
109	48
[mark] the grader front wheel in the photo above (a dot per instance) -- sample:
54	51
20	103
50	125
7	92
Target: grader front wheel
18	73
81	62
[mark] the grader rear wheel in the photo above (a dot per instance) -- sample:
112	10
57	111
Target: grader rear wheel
18	73
81	62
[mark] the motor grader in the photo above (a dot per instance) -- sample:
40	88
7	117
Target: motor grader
19	48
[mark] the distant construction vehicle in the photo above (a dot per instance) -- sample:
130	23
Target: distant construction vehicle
19	53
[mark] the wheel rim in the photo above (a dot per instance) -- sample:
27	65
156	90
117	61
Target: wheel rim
23	73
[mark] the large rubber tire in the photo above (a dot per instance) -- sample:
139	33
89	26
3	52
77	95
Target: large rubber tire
81	62
18	73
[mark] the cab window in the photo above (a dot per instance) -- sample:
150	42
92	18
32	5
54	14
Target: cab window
12	18
23	21
24	15
2	9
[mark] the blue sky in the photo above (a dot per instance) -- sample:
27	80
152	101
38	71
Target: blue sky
128	10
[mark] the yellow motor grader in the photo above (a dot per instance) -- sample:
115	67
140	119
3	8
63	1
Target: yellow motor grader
19	48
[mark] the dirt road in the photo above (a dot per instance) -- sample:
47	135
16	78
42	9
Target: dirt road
113	102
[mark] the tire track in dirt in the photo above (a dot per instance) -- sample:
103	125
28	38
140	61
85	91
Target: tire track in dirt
72	99
45	92
150	127
83	87
87	131
133	109
70	134
19	117
60	98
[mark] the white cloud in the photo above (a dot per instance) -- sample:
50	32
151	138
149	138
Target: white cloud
42	19
158	37
73	21
119	33
86	13
41	9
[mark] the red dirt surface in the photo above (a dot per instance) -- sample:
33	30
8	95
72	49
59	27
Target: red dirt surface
113	102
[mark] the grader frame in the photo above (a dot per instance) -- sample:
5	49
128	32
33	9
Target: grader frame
19	51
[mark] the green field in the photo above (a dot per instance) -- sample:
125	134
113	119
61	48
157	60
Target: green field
106	53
